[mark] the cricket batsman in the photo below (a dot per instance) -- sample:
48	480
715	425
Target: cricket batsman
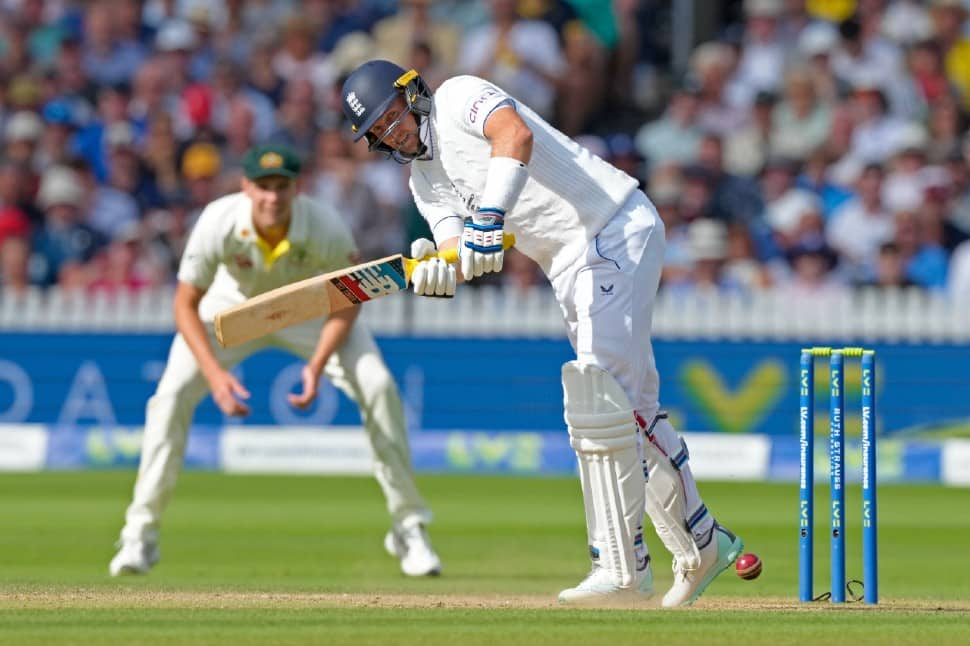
244	244
482	163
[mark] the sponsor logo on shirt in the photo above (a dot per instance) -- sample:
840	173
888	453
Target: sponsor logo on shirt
476	105
355	105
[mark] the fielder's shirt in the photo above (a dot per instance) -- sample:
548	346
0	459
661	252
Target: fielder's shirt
569	196
225	256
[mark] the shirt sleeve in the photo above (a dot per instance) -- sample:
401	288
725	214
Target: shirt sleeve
478	100
444	222
203	252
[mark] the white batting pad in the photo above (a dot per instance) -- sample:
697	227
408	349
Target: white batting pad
604	434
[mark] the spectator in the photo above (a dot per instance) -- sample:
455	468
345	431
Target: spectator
925	259
675	137
22	133
14	263
298	59
297	118
106	210
746	150
800	123
520	56
948	18
812	263
337	182
711	65
890	268
582	89
63	243
413	23
860	226
762	55
108	60
735	198
201	166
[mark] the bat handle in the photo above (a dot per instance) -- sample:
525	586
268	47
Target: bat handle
451	255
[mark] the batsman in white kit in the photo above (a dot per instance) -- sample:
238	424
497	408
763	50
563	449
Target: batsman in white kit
244	244
483	163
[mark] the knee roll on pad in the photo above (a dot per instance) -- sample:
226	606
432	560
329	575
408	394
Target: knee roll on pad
604	434
665	497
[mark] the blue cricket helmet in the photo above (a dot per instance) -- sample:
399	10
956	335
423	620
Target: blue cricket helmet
372	87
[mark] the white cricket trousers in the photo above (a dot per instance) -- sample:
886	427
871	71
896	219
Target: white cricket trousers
607	299
357	369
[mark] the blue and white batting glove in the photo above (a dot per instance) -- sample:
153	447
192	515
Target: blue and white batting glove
480	249
432	276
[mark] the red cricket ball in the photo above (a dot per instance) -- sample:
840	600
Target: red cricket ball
748	566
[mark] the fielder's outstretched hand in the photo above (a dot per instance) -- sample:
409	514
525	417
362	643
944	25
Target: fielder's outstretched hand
310	379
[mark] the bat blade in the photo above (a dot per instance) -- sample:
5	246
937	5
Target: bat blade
309	299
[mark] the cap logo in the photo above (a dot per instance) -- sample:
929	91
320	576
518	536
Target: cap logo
271	160
355	105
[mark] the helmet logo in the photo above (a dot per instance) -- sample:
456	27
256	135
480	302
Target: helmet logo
355	104
271	160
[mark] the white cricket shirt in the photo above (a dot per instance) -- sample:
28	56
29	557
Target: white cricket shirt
570	195
222	254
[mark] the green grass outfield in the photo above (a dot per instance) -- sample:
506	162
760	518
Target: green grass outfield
272	560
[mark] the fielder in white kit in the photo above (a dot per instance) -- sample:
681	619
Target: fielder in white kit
483	163
244	244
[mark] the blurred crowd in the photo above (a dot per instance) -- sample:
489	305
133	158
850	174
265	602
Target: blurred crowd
817	145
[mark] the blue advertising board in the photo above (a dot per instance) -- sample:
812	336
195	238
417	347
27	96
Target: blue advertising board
723	387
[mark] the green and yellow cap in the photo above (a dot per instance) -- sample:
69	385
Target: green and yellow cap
265	160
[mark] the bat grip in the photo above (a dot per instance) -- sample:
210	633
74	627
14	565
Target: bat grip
451	255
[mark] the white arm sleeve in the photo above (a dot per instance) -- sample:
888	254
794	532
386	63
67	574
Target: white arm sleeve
444	222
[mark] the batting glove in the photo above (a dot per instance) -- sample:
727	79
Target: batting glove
480	249
432	276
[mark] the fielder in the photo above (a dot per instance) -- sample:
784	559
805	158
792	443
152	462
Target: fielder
244	244
482	162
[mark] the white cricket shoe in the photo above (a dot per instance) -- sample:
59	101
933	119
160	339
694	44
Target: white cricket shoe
598	588
716	557
413	547
134	557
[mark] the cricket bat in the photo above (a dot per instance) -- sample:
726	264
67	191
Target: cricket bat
320	295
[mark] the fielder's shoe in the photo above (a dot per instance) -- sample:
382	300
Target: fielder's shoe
134	558
722	550
413	547
598	588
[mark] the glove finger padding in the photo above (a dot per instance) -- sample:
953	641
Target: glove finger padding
422	247
419	278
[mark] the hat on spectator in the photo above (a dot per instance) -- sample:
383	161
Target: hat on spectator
60	185
201	160
23	91
813	246
13	223
120	133
352	51
24	126
175	35
271	159
912	137
707	239
763	8
817	38
58	113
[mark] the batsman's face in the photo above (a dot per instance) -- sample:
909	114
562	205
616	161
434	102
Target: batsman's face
398	128
272	197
